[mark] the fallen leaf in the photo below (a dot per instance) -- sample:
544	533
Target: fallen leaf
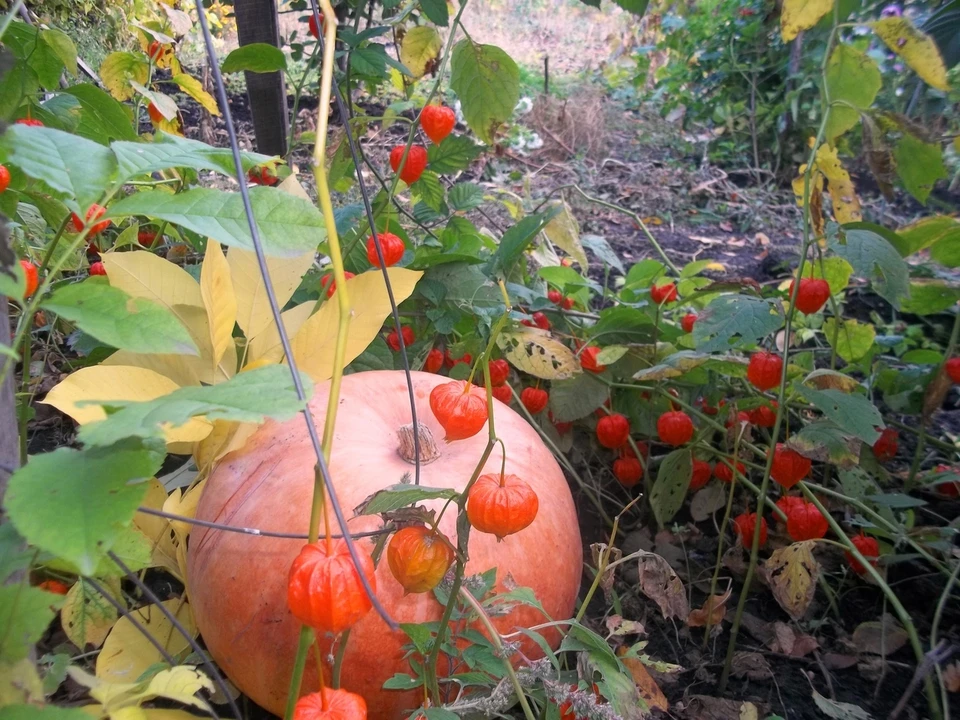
706	240
748	711
761	630
704	707
839	710
616	625
836	661
707	501
734	561
660	583
646	685
761	239
714	608
613	554
788	642
951	677
792	573
751	665
880	637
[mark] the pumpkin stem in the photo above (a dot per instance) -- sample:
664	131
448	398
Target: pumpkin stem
429	451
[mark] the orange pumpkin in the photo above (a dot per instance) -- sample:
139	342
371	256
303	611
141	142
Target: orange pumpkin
238	583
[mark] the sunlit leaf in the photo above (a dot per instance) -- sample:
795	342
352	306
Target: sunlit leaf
916	48
487	81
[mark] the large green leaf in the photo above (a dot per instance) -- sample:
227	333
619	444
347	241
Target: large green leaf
75	503
733	320
436	11
515	241
47	61
946	252
670	488
852	78
930	296
875	259
170	151
25	613
852	413
926	232
247	397
919	165
852	339
74	168
62	46
102	119
255	57
465	196
487	81
576	398
456	152
118	320
288	225
621	324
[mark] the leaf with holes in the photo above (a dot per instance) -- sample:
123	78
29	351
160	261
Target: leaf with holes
660	583
792	573
733	320
74	503
75	169
680	363
670	488
116	319
874	258
854	414
487	81
851	339
846	204
916	48
288	225
538	354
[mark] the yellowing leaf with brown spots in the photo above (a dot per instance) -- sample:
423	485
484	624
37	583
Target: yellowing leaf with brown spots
192	87
420	46
87	616
118	69
539	354
846	204
816	196
799	15
791	572
916	48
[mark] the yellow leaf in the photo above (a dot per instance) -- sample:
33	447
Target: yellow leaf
291	185
253	309
816	196
798	15
846	204
87	616
180	684
127	653
564	232
792	573
173	367
184	503
216	289
104	383
192	87
143	274
226	437
266	346
118	69
158	530
420	45
539	354
20	684
916	48
313	345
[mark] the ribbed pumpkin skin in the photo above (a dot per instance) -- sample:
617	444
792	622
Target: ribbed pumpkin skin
238	583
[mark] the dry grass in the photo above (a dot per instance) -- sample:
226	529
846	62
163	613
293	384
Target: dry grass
575	125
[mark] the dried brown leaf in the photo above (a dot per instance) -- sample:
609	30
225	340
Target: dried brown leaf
597	550
751	665
937	390
707	501
951	676
660	583
880	637
836	661
788	642
646	685
714	608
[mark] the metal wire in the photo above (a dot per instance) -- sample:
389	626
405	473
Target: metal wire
386	529
171	618
277	319
344	118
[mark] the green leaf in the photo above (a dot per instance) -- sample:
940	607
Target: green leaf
946	252
637	7
925	232
171	151
875	259
370	61
394	497
623	325
576	398
27	43
487	81
854	414
467	288
14	554
247	397
102	119
851	339
852	77
735	320
515	241
454	153
402	681
670	488
62	46
439	713
75	169
436	11
288	225
25	613
75	503
430	190
928	297
599	246
822	440
835	270
44	712
255	57
919	165
465	196
419	635
113	317
897	501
